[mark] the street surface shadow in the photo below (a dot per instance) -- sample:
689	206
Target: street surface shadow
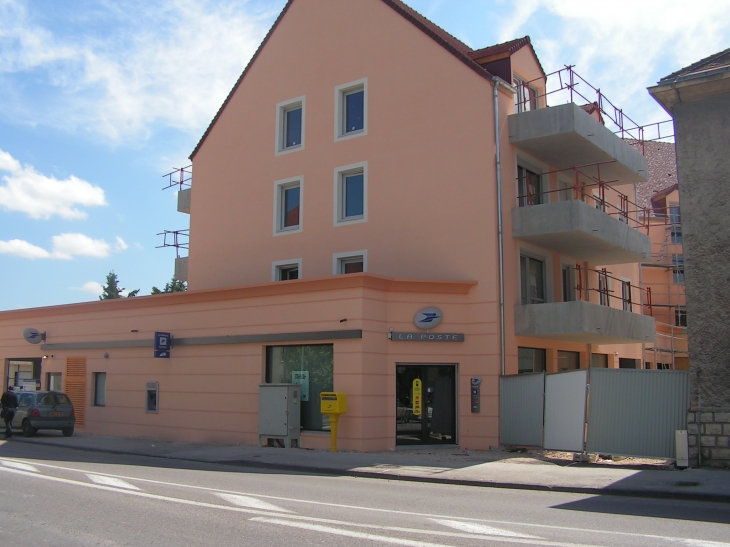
648	507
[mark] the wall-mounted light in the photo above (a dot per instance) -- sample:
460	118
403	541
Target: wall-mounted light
343	320
135	330
106	356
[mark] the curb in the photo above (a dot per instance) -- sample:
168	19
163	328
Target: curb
652	494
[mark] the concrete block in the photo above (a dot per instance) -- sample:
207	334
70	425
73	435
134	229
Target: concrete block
712	429
720	454
723	441
707	441
691	417
692	429
726	429
694	452
705	454
706	417
692	440
723	417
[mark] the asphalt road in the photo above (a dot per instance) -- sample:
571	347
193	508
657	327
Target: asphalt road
61	497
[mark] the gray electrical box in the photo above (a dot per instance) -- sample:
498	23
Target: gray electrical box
279	411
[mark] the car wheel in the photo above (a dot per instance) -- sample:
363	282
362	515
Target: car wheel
28	430
67	431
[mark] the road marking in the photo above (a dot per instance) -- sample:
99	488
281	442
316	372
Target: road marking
253	503
370	509
474	528
704	543
111	481
347	533
21	466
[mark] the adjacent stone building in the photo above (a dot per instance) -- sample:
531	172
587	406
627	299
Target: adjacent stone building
698	98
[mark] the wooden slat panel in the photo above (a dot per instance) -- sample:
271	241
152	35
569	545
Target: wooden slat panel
76	387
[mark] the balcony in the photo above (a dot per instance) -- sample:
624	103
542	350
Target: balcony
183	200
583	322
581	231
566	136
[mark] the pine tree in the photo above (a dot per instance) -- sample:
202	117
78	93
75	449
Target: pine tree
112	290
174	285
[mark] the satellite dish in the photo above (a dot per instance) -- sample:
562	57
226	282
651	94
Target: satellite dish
32	336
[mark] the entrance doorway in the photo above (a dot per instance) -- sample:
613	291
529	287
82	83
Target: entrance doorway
425	410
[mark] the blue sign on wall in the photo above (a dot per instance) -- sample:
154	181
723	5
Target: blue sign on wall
163	343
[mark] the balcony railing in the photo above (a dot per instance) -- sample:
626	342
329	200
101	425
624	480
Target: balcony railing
179	239
630	297
182	177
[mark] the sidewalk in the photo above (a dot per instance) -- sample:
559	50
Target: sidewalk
448	465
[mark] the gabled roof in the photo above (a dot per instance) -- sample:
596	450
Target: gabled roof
452	44
590	108
713	62
511	47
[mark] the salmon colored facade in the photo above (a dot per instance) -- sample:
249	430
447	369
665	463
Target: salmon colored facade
270	202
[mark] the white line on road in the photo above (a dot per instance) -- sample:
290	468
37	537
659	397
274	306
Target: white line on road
253	503
475	528
704	543
390	511
347	533
21	466
111	481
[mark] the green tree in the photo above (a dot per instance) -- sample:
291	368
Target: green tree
112	290
174	285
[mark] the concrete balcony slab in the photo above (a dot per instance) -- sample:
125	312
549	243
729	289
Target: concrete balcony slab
183	200
583	322
566	136
576	229
181	269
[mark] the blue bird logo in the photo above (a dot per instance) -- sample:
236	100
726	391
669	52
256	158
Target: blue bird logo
428	317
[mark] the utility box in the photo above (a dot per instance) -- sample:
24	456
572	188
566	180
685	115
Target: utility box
279	414
682	448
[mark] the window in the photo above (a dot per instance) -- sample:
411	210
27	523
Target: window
351	194
526	96
676	234
310	366
568	274
568	360
53	381
663	366
529	187
351	109
286	270
346	263
626	295
678	269
680	317
25	400
674	215
603	290
629	363
100	389
530	360
599	360
288	206
566	191
532	277
153	389
290	126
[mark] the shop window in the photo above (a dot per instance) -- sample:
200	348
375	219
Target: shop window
153	392
53	381
100	389
599	360
311	366
532	278
530	360
629	363
568	360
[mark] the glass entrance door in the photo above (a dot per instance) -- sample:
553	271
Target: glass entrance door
425	410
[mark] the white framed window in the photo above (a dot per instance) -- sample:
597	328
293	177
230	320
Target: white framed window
351	109
100	389
286	270
288	205
526	96
536	275
530	187
290	125
350	262
153	399
626	302
351	194
604	289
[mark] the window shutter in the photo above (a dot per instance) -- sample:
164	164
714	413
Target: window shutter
76	387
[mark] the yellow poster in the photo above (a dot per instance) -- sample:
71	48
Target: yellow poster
417	397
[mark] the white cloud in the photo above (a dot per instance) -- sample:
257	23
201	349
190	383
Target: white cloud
91	287
40	197
173	62
120	245
64	247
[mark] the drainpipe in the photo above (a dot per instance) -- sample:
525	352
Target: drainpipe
496	83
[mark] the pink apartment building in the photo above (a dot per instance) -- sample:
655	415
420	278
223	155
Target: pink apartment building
369	171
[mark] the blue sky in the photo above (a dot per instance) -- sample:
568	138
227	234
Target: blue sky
100	98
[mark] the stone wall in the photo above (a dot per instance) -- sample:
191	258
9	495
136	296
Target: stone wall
708	434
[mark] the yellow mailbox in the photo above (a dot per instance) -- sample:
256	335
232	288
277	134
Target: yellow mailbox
333	404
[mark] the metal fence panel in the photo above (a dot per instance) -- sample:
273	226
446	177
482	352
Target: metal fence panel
636	412
521	409
565	410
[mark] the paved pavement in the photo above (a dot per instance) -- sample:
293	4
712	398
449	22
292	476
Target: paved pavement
450	465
